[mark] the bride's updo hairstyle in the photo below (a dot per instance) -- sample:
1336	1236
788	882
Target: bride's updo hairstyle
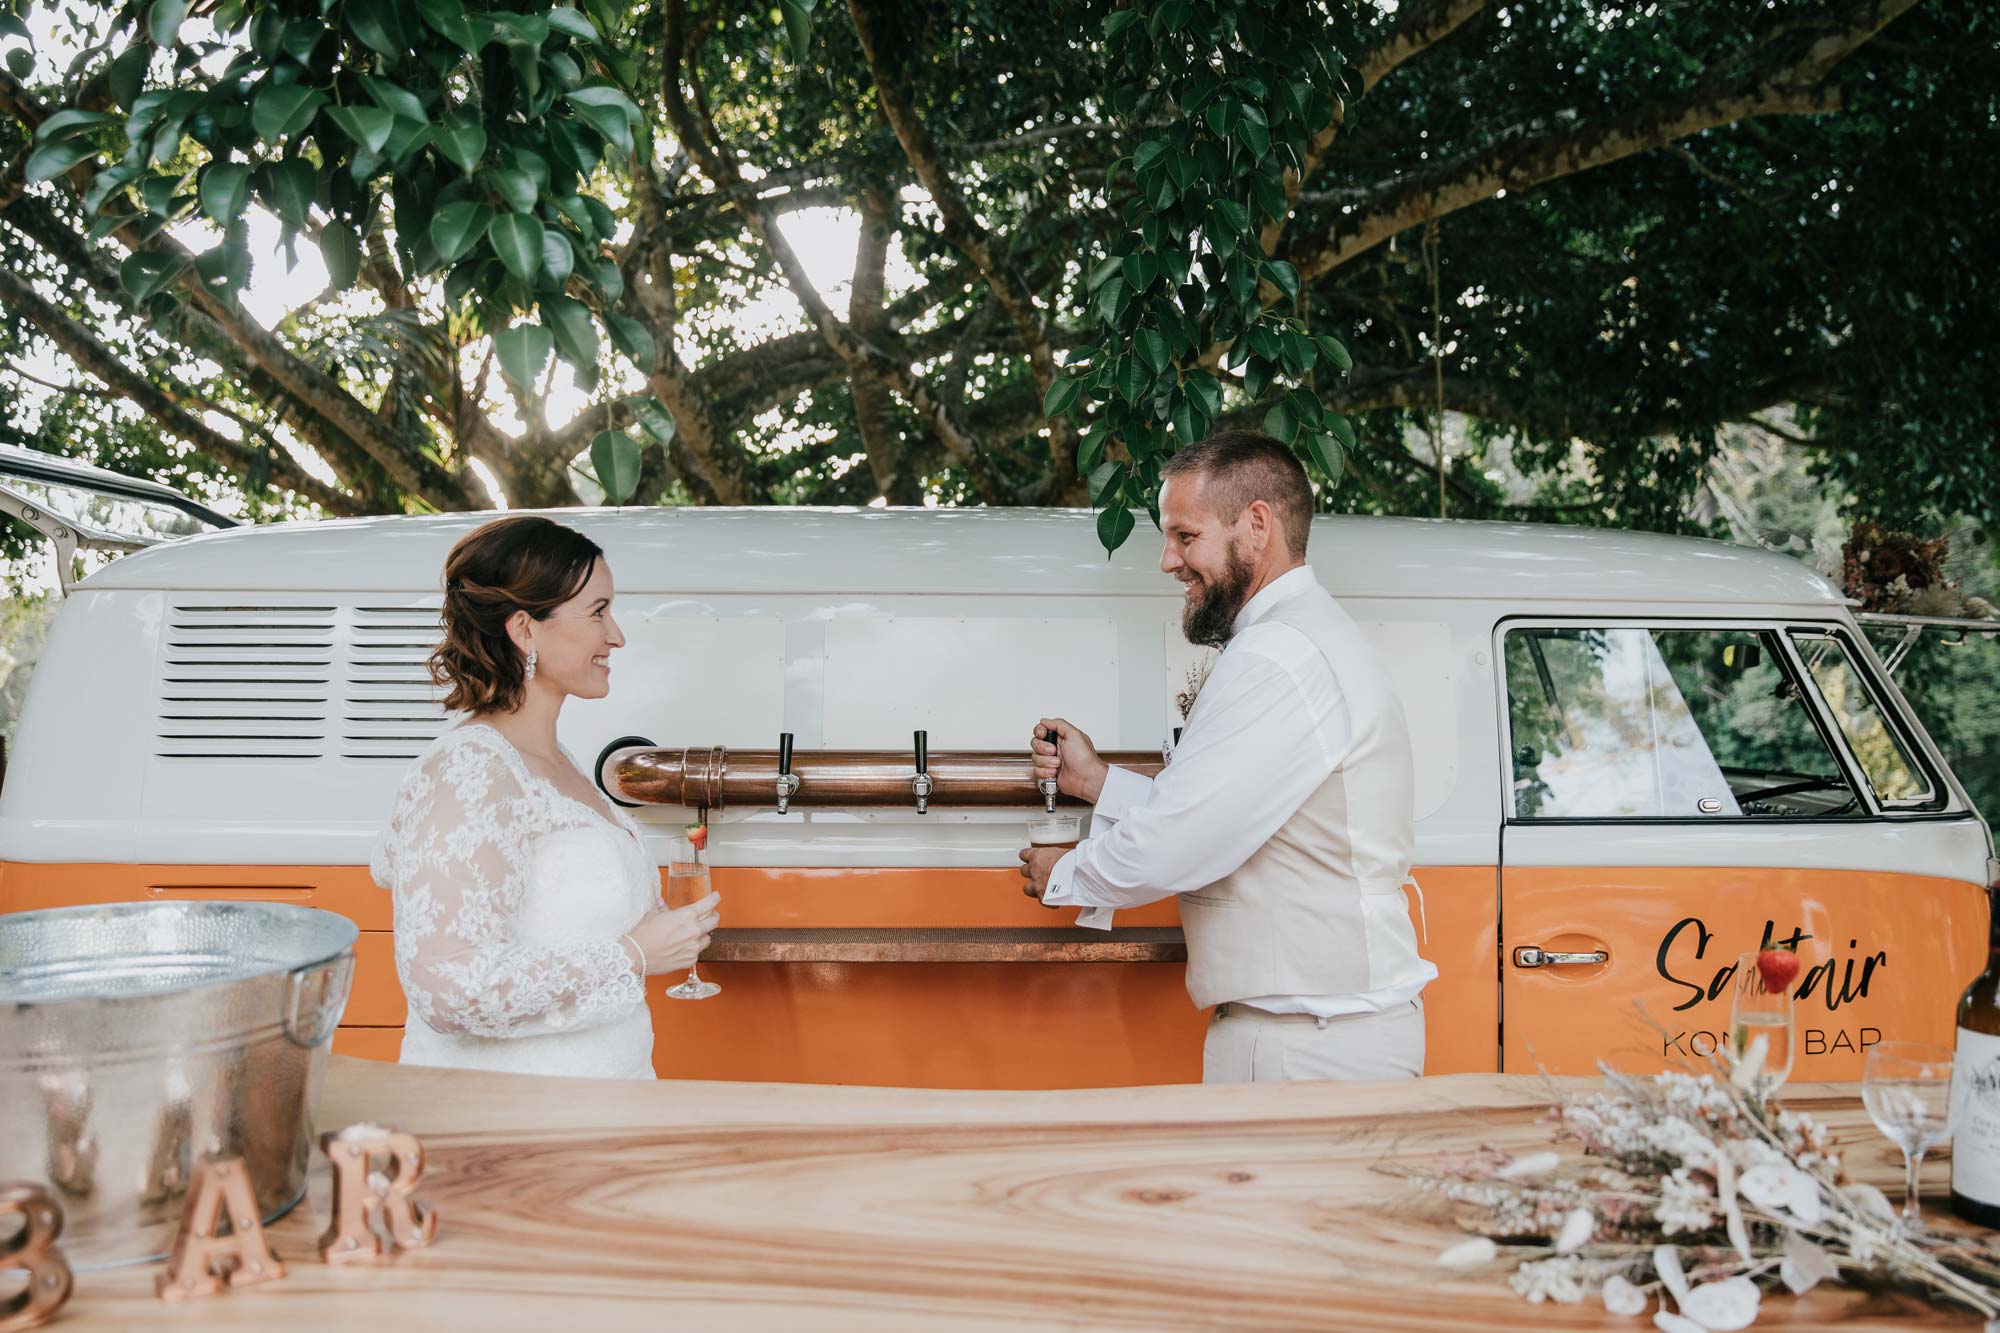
524	563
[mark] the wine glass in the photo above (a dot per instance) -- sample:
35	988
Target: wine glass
1761	1027
1906	1087
687	883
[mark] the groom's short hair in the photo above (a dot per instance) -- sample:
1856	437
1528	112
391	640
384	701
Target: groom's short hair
1238	467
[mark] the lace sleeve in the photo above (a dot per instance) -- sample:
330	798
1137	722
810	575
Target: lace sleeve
455	856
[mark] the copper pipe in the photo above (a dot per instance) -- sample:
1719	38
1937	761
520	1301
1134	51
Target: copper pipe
714	777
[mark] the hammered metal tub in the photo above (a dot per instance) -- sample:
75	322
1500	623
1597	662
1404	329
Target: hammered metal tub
137	1037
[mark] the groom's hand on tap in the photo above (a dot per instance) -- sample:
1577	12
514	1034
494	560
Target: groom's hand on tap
1071	759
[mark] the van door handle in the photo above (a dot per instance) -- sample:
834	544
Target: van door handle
1527	955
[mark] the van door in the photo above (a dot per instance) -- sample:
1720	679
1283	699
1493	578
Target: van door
1679	793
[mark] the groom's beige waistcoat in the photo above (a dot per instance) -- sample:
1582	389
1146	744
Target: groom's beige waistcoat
1294	918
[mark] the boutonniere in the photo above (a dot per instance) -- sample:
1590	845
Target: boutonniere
1197	676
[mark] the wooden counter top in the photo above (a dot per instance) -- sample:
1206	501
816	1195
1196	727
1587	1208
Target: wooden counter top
574	1206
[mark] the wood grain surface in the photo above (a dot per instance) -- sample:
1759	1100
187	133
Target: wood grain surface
573	1206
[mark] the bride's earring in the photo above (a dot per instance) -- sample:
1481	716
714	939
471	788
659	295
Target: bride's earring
529	674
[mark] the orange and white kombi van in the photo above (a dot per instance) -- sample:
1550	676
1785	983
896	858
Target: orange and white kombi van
1636	757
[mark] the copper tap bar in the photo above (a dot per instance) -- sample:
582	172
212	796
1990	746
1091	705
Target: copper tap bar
715	777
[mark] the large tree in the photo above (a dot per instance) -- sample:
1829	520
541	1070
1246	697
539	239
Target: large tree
1596	232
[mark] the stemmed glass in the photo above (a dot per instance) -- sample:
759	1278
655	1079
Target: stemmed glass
1759	1014
687	883
1906	1087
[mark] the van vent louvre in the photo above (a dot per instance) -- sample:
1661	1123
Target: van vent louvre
246	682
391	709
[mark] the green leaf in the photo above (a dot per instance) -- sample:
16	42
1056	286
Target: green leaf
1327	456
514	188
394	99
53	159
653	416
225	190
457	228
1151	345
1060	397
1104	481
609	280
1119	22
369	126
558	259
634	339
1341	429
1147	154
606	110
1334	352
576	335
127	75
1279	422
11	26
288	189
524	353
615	456
573	22
1223	116
70	123
798	27
279	113
1205	391
516	238
447	19
163	21
146	273
1104	270
224	269
1284	277
340	250
461	139
379	25
1114	525
1111	300
1090	449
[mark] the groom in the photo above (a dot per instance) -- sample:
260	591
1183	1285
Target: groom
1284	820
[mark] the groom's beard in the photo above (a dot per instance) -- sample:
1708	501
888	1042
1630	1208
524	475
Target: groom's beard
1210	614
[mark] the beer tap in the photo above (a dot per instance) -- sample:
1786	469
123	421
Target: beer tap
1047	786
921	784
788	781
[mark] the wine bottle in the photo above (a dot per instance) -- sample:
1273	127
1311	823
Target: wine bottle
1975	1092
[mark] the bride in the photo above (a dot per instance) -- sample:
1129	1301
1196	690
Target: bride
527	910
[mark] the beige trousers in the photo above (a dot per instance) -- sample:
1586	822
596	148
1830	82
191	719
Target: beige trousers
1246	1045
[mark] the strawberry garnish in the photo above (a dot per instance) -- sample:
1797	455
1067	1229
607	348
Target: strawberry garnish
698	835
1777	967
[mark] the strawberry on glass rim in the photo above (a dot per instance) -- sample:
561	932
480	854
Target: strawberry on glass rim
1776	967
698	835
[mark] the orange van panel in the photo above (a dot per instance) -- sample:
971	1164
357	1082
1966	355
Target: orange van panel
972	1025
1883	956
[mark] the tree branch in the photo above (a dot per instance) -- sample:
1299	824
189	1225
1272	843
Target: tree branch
874	405
1520	163
164	405
862	358
887	64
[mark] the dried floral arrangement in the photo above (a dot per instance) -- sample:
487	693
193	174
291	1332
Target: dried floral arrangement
1197	676
1695	1189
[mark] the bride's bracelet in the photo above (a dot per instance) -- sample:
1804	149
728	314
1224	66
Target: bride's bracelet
627	937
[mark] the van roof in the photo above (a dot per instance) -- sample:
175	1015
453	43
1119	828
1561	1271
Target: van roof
1006	551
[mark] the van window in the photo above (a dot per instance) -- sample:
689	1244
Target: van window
1629	723
1899	781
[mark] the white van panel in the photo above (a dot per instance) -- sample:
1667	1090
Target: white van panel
973	684
683	680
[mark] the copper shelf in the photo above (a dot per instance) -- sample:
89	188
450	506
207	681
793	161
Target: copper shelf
971	944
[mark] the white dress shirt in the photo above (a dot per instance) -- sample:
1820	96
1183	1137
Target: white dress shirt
1267	728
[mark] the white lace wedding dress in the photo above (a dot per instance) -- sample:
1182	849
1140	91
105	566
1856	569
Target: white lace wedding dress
510	898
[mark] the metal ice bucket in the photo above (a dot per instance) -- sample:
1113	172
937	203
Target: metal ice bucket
136	1038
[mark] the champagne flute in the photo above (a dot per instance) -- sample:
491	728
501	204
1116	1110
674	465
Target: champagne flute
1906	1087
687	883
1761	1028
